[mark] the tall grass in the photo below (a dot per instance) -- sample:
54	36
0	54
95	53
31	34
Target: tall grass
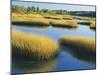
93	24
64	23
48	16
32	22
27	15
35	47
57	17
43	20
80	43
29	19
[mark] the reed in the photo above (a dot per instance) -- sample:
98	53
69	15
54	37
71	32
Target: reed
93	24
33	47
57	17
51	16
63	23
27	15
66	17
32	22
84	44
29	19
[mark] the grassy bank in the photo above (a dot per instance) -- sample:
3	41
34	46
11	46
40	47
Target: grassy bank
63	23
82	44
33	47
85	23
93	24
32	22
57	17
43	20
29	19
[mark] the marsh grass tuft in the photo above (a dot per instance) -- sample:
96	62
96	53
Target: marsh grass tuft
32	22
82	44
63	23
33	47
29	19
43	20
93	24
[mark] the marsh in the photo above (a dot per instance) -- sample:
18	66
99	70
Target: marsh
65	59
41	39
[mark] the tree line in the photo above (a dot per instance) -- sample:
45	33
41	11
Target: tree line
26	10
32	9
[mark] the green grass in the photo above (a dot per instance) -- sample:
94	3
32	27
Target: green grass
31	46
81	43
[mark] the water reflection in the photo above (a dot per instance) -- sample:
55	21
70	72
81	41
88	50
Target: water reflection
93	29
31	66
80	55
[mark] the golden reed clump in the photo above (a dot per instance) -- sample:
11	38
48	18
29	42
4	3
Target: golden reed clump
33	46
64	23
79	42
93	24
29	19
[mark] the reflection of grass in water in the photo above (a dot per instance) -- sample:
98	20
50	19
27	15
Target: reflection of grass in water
84	44
31	46
93	29
28	67
84	56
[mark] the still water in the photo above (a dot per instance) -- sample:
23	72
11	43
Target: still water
67	59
